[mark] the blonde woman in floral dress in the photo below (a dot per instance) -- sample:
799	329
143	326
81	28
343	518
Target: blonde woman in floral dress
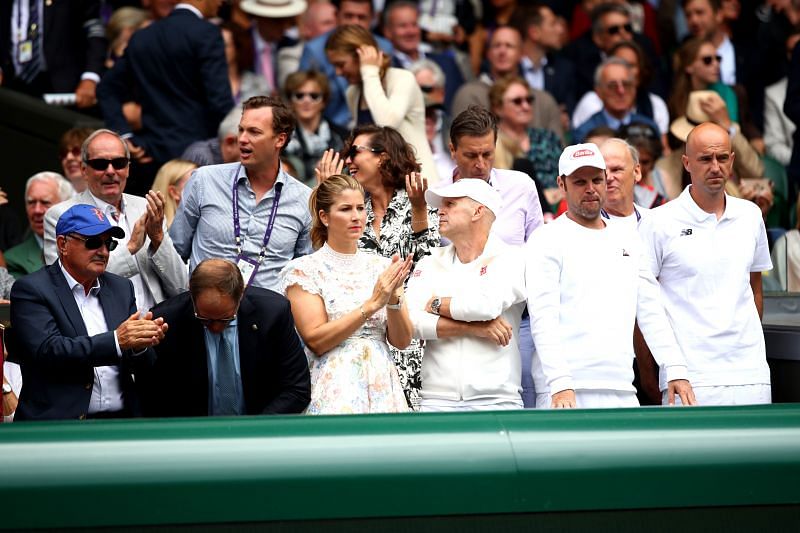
348	306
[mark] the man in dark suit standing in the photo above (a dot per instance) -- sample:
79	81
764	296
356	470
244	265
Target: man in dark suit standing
75	329
227	352
178	70
52	47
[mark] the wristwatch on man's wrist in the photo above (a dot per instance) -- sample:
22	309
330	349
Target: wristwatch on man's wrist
7	388
435	305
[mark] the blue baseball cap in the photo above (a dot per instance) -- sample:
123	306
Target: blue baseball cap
86	220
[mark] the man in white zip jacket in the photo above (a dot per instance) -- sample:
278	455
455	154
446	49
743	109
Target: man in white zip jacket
587	282
466	299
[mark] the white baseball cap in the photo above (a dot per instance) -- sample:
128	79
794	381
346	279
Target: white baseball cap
477	189
274	8
580	155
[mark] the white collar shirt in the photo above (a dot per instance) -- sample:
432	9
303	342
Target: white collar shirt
106	388
727	68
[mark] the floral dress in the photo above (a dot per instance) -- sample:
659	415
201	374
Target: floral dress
358	375
397	237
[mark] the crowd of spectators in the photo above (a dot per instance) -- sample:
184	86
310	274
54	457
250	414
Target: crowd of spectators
222	117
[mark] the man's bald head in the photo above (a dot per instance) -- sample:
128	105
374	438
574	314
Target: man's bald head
708	158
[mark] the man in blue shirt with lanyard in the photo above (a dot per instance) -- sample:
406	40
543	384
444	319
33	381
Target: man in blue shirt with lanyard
251	213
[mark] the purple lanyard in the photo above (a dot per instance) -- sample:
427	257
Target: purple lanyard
237	228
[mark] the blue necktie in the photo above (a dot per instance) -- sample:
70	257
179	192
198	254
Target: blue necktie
34	66
226	379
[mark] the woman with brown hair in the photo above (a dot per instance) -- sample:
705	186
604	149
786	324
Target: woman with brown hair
398	219
348	307
379	94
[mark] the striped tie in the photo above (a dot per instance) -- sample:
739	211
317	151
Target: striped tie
32	68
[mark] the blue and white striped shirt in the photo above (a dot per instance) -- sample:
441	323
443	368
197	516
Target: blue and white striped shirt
203	225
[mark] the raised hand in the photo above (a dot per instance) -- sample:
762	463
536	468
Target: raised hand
369	55
416	186
329	165
154	226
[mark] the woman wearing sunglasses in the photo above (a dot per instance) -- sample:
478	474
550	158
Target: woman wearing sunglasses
307	93
511	100
398	219
697	68
378	94
348	307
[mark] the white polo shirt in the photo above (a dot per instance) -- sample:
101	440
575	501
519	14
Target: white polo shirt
704	265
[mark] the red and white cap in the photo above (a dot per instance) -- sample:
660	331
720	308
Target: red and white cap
578	156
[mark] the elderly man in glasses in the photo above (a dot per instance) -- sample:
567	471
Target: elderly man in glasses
614	83
75	329
228	352
146	255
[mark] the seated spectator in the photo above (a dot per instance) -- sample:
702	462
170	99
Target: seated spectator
308	94
400	25
647	142
170	181
778	129
228	352
647	103
786	257
380	94
437	121
42	191
616	86
69	152
503	56
224	148
697	68
705	106
512	101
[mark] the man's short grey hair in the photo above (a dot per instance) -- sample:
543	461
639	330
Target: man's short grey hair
230	124
394	5
598	72
426	64
602	10
97	133
628	146
65	189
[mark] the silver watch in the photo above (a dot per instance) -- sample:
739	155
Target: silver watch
7	388
435	305
396	306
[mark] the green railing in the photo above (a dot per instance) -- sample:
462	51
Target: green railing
408	471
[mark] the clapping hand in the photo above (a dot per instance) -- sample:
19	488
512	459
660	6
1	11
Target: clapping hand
390	281
138	333
329	165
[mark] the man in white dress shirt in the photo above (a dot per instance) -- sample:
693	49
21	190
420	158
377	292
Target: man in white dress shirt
145	255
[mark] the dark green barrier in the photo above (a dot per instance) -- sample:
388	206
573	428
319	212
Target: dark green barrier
732	468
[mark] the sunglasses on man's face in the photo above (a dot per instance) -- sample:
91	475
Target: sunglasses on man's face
615	29
427	89
101	164
707	60
95	242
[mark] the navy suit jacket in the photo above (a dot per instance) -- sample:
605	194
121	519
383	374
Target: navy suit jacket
453	77
314	58
74	43
559	80
177	68
274	368
48	339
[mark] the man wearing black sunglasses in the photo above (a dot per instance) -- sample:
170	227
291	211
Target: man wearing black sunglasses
146	255
77	333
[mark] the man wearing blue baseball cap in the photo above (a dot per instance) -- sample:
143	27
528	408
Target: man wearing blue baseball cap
75	329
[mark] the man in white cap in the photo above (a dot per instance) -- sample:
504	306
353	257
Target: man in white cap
271	20
587	283
466	299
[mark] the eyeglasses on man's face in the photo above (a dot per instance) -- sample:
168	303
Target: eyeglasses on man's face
95	242
101	164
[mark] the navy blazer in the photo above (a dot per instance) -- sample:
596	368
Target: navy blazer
453	77
74	43
559	80
48	339
274	368
177	68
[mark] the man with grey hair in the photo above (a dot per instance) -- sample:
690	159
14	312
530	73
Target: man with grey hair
146	254
431	80
42	190
466	299
615	85
224	148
